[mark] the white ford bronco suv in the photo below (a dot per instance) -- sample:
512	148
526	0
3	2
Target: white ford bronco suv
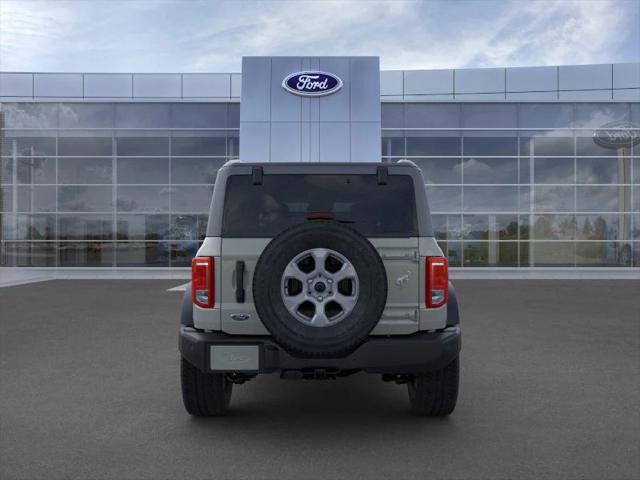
319	270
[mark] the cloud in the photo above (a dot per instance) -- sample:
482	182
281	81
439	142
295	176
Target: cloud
212	36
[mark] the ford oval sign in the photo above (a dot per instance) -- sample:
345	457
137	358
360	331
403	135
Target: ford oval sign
617	135
312	83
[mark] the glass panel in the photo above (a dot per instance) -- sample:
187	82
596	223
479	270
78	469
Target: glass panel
553	199
86	115
143	170
392	115
490	199
440	170
490	227
191	199
6	199
453	251
182	253
85	227
143	199
444	199
195	170
143	254
143	115
446	227
586	146
598	114
603	170
636	169
433	146
85	254
421	115
36	199
36	170
525	249
541	115
6	170
143	227
524	227
188	227
487	115
199	115
490	254
85	199
85	170
30	115
84	146
524	199
553	170
490	146
30	254
199	146
603	254
604	227
143	146
490	170
233	115
34	146
602	198
525	170
393	144
552	254
36	227
554	227
547	146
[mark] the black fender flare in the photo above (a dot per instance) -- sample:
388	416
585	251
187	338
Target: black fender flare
186	314
453	313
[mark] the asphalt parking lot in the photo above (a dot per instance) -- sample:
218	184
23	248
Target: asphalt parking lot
550	388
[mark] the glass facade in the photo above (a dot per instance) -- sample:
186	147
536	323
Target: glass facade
128	184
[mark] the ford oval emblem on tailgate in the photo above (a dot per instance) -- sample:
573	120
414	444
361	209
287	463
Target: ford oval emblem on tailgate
240	317
312	83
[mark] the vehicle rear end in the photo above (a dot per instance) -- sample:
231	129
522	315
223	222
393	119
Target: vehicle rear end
320	270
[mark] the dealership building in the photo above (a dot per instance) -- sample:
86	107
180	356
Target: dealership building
526	168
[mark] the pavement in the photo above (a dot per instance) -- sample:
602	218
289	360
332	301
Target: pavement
550	388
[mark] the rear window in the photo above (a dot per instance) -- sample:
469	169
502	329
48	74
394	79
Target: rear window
286	200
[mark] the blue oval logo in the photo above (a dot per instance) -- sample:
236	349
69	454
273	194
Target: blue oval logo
312	83
617	135
240	317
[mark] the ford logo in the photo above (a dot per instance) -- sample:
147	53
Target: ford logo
617	135
312	83
240	317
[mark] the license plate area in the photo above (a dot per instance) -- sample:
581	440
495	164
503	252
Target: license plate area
234	358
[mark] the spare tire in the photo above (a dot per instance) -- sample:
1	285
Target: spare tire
319	288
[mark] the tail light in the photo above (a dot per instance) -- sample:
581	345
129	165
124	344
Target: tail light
437	284
202	281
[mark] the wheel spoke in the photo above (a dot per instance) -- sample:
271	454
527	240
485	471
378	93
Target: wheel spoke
293	302
293	271
319	258
346	271
347	302
320	318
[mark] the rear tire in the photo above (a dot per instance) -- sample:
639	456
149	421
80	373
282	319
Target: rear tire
204	394
434	394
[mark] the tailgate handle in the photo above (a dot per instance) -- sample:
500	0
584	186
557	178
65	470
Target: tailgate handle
240	281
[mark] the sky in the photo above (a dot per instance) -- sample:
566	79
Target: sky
212	36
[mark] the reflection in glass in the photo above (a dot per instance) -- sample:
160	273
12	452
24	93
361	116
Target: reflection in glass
36	199
603	198
34	146
182	253
195	170
36	170
547	146
143	199
553	170
393	146
603	226
143	115
142	146
86	115
489	254
143	170
603	254
35	227
490	227
85	254
6	170
444	199
490	146
85	199
199	115
198	146
440	170
29	254
434	115
603	170
30	115
141	254
453	252
85	170
85	146
490	199
142	227
490	170
85	227
187	227
552	254
587	147
553	199
554	227
488	115
433	146
191	199
446	227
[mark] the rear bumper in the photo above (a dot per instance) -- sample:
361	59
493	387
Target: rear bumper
399	354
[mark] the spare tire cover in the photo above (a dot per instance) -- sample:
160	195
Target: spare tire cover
319	288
